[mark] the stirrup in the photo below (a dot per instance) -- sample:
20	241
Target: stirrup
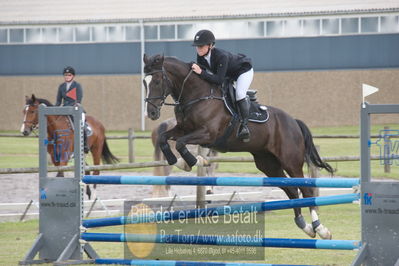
244	136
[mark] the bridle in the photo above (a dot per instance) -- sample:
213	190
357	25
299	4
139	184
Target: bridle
33	125
165	89
166	86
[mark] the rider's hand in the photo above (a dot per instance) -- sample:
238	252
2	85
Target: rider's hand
196	68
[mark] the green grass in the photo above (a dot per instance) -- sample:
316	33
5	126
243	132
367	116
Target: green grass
22	152
342	220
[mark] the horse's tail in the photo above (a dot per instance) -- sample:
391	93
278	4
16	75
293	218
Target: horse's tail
107	156
311	154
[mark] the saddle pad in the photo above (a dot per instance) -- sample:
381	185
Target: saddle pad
257	113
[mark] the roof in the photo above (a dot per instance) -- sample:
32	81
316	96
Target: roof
80	11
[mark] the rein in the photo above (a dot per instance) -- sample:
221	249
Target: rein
178	100
34	126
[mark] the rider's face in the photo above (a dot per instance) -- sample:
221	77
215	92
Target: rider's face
202	50
68	77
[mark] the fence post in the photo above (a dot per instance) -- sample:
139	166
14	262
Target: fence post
387	150
201	189
130	140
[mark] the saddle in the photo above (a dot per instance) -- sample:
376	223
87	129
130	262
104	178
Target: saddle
258	113
89	130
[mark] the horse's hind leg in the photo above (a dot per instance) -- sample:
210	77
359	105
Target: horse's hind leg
271	166
308	192
318	227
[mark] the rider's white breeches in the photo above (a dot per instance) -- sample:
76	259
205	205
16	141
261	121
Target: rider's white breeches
243	83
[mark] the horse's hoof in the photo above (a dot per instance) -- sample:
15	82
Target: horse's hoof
181	164
323	232
201	161
308	229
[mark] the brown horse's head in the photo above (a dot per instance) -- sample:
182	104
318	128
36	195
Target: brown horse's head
31	114
158	87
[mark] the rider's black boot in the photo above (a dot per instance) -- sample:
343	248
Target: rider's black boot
243	108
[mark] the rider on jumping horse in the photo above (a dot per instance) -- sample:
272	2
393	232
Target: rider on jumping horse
71	93
219	65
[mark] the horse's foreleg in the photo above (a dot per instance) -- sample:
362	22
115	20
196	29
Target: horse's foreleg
198	137
165	148
188	157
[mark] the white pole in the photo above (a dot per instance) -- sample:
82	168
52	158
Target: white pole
142	49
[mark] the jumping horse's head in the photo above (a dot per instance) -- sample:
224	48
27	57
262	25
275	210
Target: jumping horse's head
158	87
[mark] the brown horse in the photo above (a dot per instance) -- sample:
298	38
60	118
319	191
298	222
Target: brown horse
60	134
280	146
164	191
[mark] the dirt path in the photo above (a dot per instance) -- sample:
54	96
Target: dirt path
19	188
22	188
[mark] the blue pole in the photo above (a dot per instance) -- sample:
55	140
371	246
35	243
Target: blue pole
223	181
221	240
160	216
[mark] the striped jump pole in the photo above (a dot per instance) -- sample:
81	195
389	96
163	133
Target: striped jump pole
222	210
241	240
222	181
181	263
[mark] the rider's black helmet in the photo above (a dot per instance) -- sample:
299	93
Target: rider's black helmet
69	70
204	37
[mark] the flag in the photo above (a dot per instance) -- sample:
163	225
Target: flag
368	90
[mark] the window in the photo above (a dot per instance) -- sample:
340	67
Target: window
256	28
167	31
274	28
33	35
185	31
350	25
99	34
3	35
330	26
311	26
292	27
151	32
369	24
82	34
389	24
50	35
66	34
16	35
132	33
115	34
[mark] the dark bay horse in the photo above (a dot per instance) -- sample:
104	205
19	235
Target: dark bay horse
279	147
60	132
164	191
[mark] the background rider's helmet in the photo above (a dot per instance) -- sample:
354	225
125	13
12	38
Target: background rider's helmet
204	37
69	70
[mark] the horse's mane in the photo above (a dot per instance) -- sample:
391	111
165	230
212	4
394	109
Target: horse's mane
40	100
176	60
